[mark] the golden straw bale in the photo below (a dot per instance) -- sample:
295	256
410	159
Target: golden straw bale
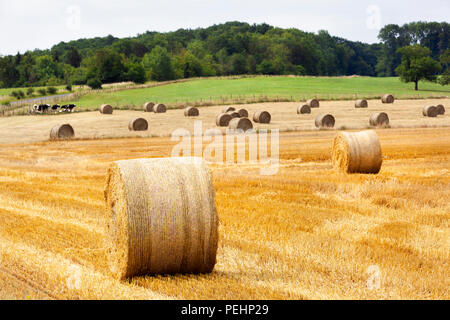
243	124
138	124
148	107
161	217
106	109
191	112
223	120
380	119
303	109
325	121
243	113
160	108
361	104
228	109
62	132
430	111
313	103
262	117
441	109
388	98
357	152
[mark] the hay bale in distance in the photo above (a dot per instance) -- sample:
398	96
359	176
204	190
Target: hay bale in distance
262	117
62	132
106	109
313	103
243	124
379	119
160	108
361	104
440	108
325	121
191	112
304	109
358	152
162	217
430	111
148	107
388	98
138	124
228	109
223	120
243	113
234	114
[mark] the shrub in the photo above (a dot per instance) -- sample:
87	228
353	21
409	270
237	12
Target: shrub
94	84
69	87
42	92
5	102
52	90
30	91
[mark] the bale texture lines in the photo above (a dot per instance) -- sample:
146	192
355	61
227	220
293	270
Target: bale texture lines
380	119
357	152
325	121
161	217
62	132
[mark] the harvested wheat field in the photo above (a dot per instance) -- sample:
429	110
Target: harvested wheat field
308	232
93	125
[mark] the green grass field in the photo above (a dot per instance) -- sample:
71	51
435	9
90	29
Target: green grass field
260	88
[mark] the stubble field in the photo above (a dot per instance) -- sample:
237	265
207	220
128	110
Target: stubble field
307	232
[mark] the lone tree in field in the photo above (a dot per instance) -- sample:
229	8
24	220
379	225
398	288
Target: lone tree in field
417	65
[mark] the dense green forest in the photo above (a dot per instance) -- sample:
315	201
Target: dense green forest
232	48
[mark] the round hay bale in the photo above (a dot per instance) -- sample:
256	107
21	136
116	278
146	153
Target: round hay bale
162	217
106	109
138	124
358	152
379	119
191	112
440	108
388	98
430	111
262	117
243	124
234	114
228	109
304	109
325	121
361	104
313	103
148	107
160	108
243	113
62	132
223	120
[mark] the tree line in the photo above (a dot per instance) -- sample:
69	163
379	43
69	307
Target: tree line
233	48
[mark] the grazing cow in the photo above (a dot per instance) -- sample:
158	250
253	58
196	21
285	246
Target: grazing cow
55	107
63	108
71	107
43	108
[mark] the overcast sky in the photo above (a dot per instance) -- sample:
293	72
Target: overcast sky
26	25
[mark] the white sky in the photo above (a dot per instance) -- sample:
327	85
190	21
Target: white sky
26	25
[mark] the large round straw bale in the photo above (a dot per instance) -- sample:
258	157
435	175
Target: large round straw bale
161	217
228	109
234	114
358	152
148	107
430	111
223	120
106	109
243	124
191	112
379	119
388	98
440	108
138	124
325	121
262	117
313	103
361	104
160	108
243	113
62	132
304	109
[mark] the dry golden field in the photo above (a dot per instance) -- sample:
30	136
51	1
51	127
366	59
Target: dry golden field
89	125
306	233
